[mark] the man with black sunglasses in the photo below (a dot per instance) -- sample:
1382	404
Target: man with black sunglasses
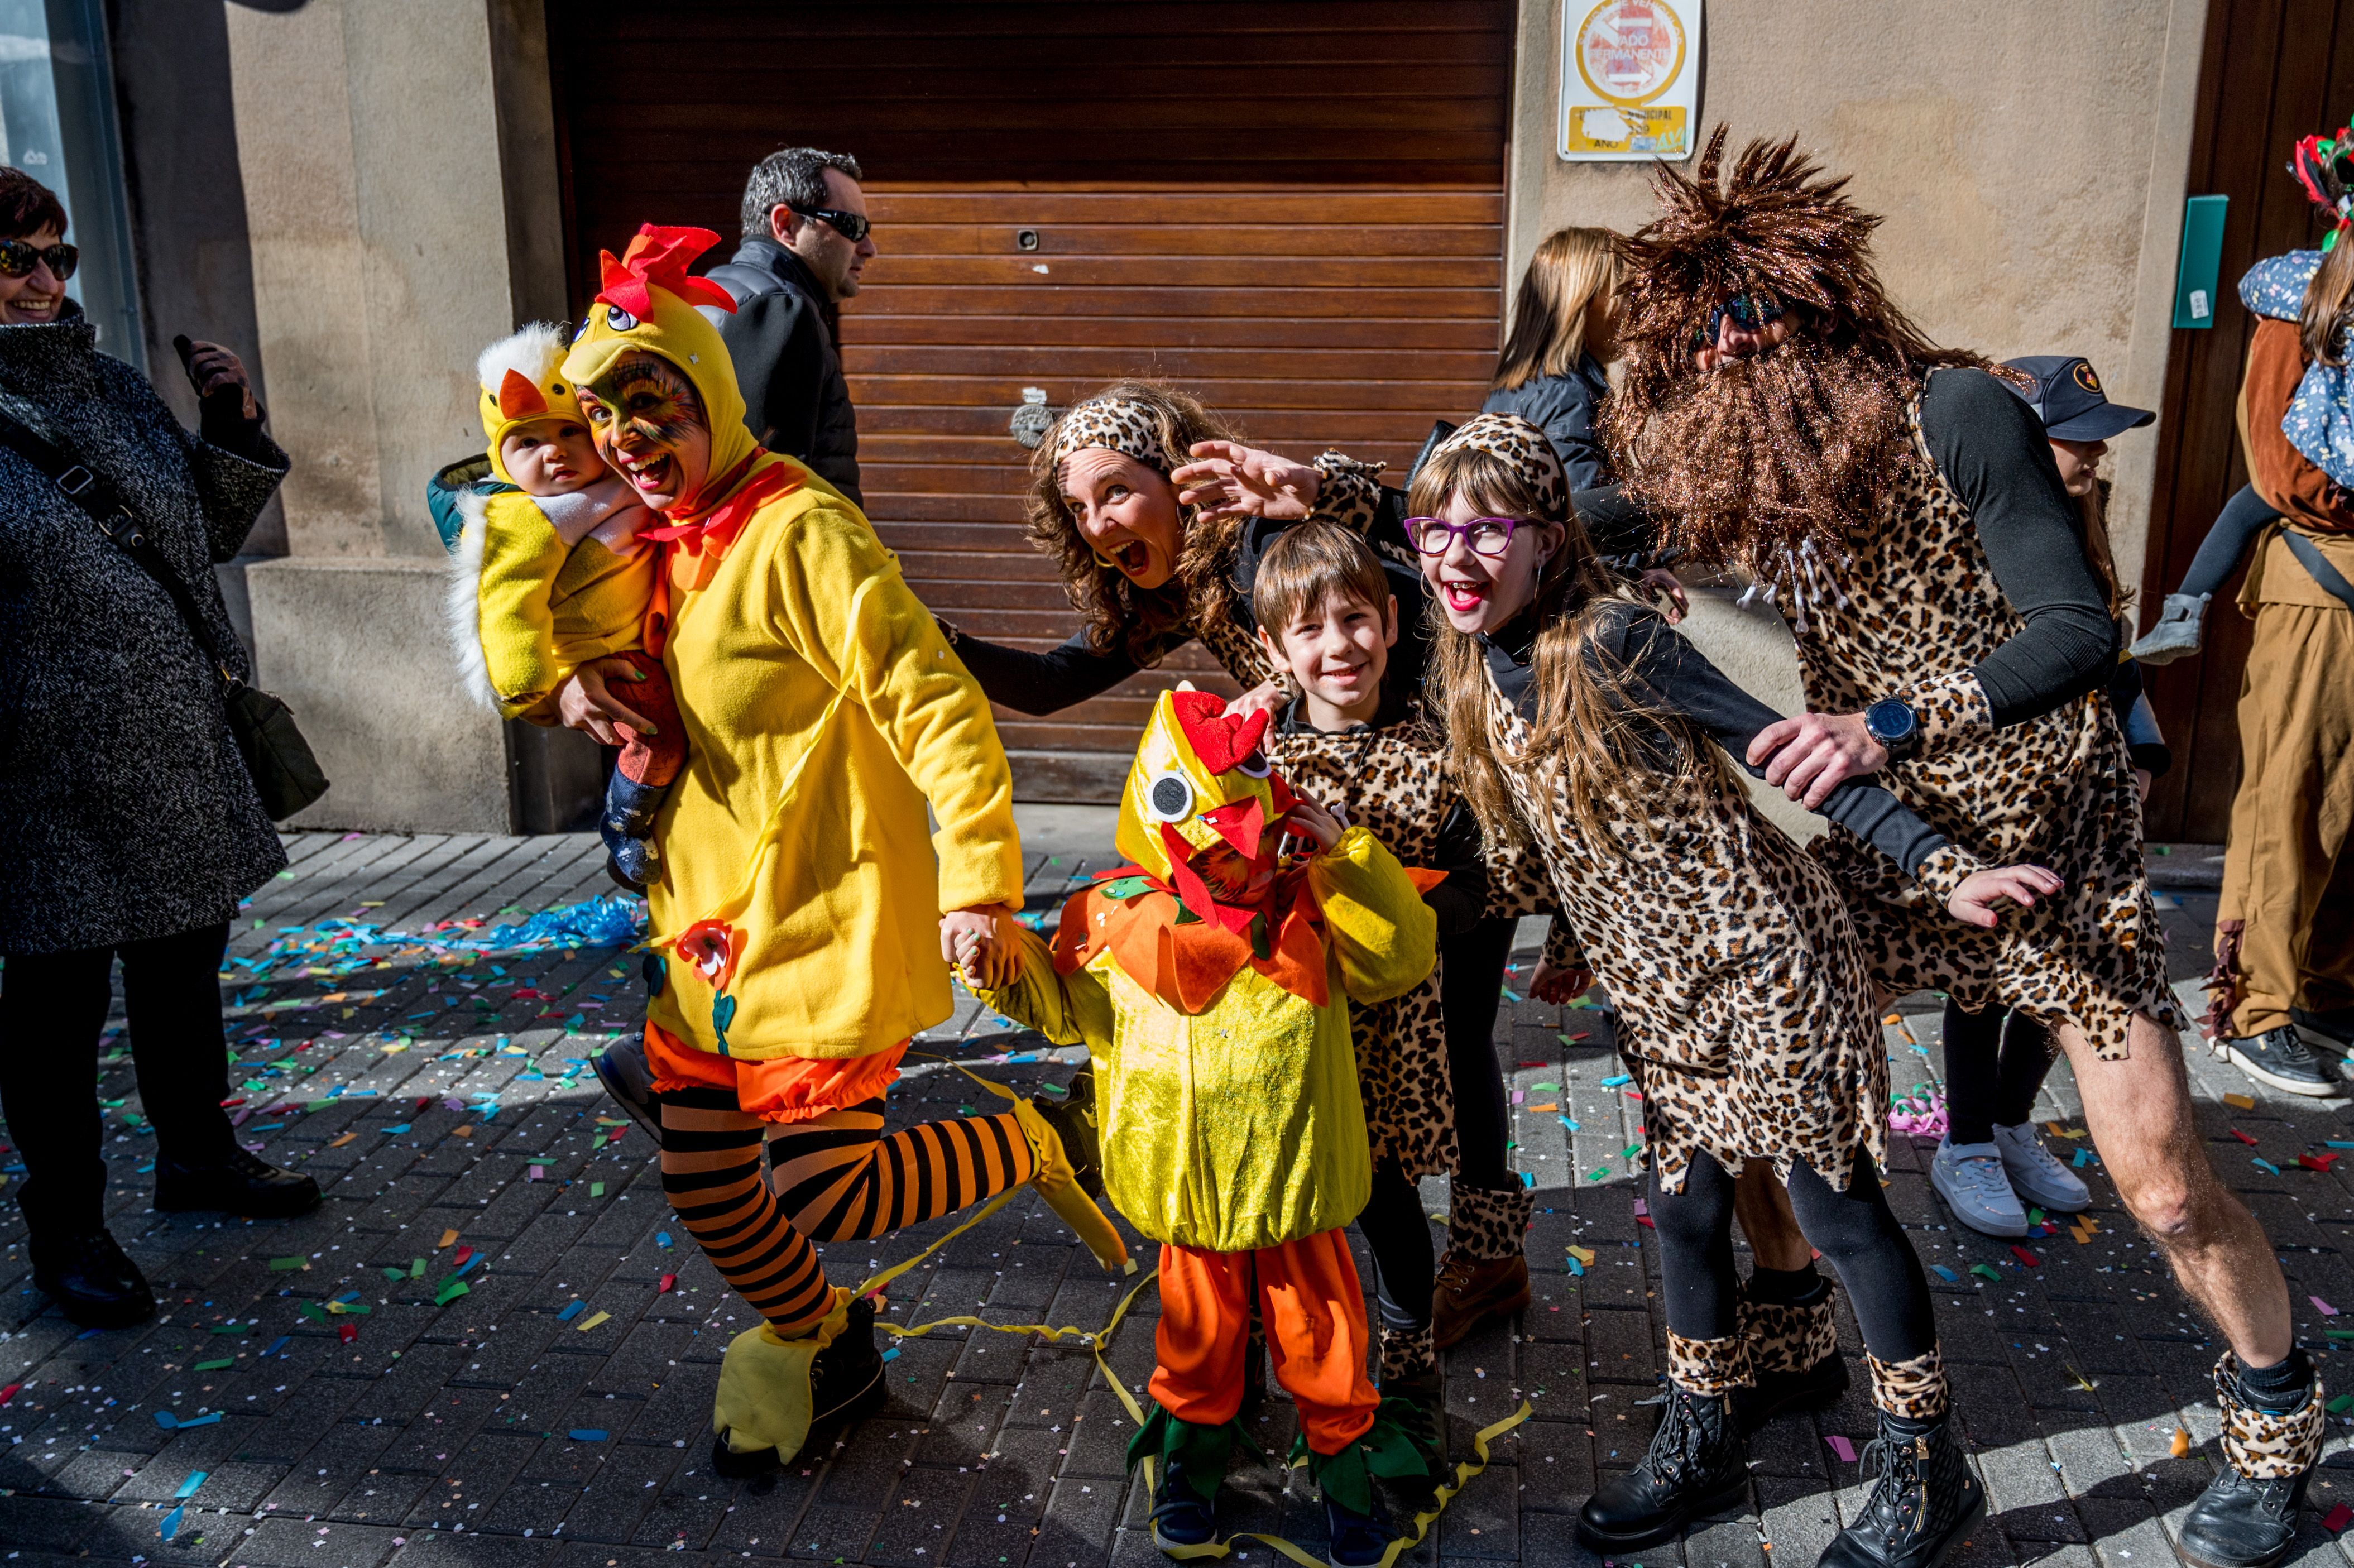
806	241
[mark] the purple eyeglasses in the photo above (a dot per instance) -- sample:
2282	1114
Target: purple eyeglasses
1489	536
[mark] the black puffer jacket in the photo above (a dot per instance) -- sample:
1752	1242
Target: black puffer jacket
130	813
1565	408
789	362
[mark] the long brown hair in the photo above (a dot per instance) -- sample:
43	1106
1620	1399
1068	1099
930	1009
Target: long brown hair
2092	524
1605	739
1117	615
1571	287
2323	322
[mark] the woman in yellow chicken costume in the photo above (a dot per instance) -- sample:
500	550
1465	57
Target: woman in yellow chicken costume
796	914
1212	981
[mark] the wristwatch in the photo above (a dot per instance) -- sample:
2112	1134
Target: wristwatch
1891	721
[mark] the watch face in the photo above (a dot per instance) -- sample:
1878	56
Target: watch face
1889	719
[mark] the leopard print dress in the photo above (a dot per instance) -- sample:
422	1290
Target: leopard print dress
1743	1014
1913	610
1393	781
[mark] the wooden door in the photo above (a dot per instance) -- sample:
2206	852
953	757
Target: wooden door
2273	71
1294	210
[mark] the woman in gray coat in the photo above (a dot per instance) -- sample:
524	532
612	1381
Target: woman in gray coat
132	828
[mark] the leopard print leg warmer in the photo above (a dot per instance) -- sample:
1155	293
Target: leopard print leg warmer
1484	1225
1711	1368
1784	1338
1408	1353
2259	1443
1914	1390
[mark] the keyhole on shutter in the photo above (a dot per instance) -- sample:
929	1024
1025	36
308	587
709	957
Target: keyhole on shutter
1025	239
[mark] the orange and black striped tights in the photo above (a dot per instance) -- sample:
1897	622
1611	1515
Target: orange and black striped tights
835	1178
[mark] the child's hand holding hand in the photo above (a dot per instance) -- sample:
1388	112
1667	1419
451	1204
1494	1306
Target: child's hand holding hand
1267	697
1312	821
1974	902
971	939
1559	986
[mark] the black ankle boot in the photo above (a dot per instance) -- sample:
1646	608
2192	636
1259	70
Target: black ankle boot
1698	1463
237	1183
2240	1521
91	1280
1928	1499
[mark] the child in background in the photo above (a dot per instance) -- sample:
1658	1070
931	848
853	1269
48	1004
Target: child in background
1991	1163
1213	981
548	573
2319	423
1367	752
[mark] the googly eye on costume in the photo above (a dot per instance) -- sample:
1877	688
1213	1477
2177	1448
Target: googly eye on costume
618	319
1254	766
1169	798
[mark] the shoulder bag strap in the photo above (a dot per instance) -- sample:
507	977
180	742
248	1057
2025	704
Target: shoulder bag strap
96	497
2316	564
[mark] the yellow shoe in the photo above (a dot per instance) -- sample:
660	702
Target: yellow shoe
773	1390
1057	1183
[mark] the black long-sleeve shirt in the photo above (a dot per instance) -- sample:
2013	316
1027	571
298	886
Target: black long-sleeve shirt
1676	677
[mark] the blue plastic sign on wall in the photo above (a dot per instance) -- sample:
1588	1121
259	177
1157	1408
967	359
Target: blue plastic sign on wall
2202	258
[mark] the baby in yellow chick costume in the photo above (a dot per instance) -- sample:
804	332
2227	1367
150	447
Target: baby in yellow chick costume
548	572
1212	981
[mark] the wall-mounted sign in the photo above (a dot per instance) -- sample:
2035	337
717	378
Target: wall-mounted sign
1630	79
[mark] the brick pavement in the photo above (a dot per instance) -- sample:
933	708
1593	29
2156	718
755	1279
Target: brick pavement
500	1426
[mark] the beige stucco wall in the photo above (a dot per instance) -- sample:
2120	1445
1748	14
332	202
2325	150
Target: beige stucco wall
401	198
2029	161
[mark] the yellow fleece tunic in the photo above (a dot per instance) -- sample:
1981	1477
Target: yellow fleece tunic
836	952
1240	1127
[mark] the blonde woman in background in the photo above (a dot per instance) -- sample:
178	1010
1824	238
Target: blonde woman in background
1551	372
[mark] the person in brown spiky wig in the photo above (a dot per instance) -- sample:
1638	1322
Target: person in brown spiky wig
1901	507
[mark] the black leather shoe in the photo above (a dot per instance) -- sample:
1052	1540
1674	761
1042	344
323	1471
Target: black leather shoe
2281	1059
845	1382
1073	1118
1779	1394
1927	1499
2241	1523
236	1184
91	1280
1698	1463
621	1068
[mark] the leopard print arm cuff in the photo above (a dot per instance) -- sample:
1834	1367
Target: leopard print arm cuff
1946	868
1562	950
1950	708
1349	493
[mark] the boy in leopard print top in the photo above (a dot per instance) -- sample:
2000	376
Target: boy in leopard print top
1360	745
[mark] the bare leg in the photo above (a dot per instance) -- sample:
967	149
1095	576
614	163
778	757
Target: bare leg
2138	1112
1763	1207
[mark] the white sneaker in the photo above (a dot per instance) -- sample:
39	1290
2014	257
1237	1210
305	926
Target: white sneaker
1969	1176
2036	1174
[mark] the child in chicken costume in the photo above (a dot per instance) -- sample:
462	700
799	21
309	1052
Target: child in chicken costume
1212	981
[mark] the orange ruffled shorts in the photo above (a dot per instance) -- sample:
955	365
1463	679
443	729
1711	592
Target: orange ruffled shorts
789	1090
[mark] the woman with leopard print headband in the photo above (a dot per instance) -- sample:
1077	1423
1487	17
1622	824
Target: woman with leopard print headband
1155	552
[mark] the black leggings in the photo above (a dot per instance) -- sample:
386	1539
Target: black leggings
1398	1233
52	1010
2228	538
1992	1073
1470	988
1854	1229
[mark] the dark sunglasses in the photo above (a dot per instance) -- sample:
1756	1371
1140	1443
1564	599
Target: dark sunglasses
848	225
1752	311
19	257
1489	536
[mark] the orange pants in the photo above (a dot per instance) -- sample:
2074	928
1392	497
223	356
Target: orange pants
1315	1313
